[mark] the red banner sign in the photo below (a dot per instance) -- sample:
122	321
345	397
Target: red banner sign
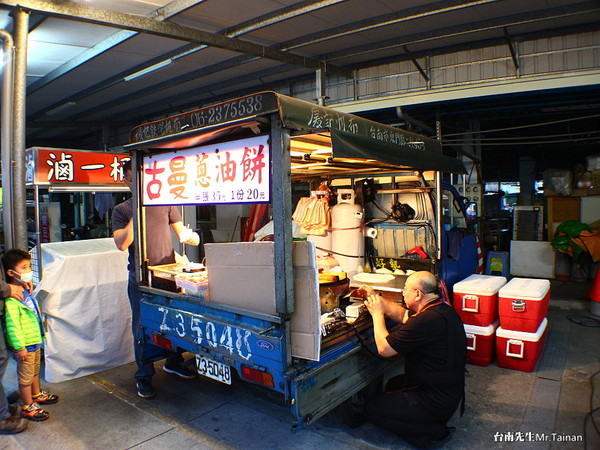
56	165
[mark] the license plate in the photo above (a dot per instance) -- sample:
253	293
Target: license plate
213	369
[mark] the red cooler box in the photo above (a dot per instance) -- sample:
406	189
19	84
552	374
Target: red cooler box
476	299
519	350
481	343
523	304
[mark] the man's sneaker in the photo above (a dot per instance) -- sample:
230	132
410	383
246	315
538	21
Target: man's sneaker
180	371
34	412
145	389
45	398
13	425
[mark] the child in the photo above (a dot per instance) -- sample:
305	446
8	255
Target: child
24	333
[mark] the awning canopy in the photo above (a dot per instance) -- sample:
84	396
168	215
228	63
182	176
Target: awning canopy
352	136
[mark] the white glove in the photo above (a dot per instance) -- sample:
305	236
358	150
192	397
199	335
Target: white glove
194	239
189	237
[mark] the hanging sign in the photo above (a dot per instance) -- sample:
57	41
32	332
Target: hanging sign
49	166
228	172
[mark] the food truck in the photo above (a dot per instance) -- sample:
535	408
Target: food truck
353	202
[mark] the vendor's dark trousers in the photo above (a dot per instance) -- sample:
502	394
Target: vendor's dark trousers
404	413
145	369
4	413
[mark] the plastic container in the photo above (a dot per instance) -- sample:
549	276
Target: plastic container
193	285
475	299
519	350
481	344
523	304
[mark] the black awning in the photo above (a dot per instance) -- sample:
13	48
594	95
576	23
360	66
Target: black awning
347	145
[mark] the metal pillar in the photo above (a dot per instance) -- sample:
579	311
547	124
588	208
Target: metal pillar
438	197
320	85
526	180
7	143
21	30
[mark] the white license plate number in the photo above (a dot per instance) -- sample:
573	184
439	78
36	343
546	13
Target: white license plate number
213	369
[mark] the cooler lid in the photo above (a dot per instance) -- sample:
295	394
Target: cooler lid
523	335
481	331
526	288
480	285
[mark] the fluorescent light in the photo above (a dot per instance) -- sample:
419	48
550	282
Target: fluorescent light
147	70
60	108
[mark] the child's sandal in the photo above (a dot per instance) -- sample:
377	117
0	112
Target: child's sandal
45	398
34	412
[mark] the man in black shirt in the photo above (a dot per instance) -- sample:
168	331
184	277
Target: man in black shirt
418	404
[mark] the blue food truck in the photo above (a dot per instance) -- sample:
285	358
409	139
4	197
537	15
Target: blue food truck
266	312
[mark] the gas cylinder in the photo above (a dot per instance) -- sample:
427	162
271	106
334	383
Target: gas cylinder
346	236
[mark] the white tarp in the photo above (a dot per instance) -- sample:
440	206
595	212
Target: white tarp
83	295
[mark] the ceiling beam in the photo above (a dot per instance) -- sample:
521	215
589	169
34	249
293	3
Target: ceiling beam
485	43
161	14
166	12
415	63
403	15
83	13
511	47
586	7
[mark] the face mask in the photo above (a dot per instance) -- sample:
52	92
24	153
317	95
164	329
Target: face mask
26	277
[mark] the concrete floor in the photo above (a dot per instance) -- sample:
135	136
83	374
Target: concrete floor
103	411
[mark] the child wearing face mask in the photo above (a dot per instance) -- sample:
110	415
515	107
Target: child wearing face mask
25	333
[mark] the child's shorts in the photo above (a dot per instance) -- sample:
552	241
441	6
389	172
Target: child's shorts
29	368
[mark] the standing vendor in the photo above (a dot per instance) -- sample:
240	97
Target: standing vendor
159	250
418	404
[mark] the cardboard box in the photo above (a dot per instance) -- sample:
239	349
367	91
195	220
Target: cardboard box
523	304
481	344
476	299
519	350
242	275
532	259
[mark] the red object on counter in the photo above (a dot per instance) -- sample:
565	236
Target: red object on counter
417	251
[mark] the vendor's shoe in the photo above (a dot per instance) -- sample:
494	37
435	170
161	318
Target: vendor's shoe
34	412
180	371
145	389
13	425
45	398
353	410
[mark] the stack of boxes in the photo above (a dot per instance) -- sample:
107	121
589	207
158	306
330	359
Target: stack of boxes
508	319
523	305
476	302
